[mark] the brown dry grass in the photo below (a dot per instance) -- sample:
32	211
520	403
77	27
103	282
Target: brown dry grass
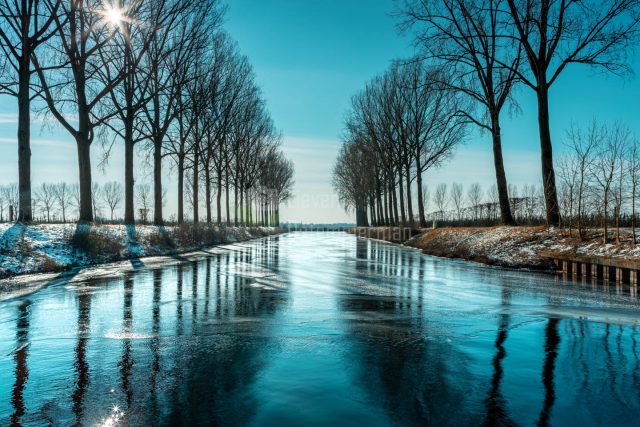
95	244
525	246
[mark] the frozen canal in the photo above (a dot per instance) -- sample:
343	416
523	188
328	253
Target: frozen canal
321	329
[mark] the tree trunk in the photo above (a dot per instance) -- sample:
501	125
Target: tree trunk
196	187
157	182
633	213
604	218
372	210
506	215
207	191
219	198
25	213
226	196
181	190
423	220
235	205
387	208
394	199
403	217
129	209
409	197
548	173
241	204
580	195
379	205
84	167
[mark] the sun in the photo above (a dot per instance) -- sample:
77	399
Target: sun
114	15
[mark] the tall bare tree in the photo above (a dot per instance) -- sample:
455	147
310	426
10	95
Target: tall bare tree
112	194
46	197
606	167
468	38
173	48
63	196
555	34
72	83
582	149
24	26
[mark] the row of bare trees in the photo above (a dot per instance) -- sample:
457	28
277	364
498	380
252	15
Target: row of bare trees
486	48
474	206
403	123
600	177
159	75
60	202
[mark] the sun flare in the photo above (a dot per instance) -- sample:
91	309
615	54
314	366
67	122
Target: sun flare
114	15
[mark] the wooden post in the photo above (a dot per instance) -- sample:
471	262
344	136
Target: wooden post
623	275
586	269
633	277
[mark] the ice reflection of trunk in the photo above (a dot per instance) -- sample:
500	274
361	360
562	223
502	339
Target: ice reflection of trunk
194	294
155	340
126	364
400	359
495	403
213	375
552	342
20	356
207	289
179	324
81	365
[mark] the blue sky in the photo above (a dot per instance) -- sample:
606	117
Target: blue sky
310	57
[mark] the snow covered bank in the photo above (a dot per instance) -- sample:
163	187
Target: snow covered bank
43	248
517	247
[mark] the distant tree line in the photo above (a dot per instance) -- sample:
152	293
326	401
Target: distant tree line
454	205
472	54
161	76
402	124
600	177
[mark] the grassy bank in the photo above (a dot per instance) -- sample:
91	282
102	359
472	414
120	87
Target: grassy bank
43	248
514	247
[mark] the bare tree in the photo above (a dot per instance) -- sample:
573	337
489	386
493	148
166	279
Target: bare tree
46	197
143	192
280	181
172	49
63	195
606	167
402	117
11	196
112	194
351	185
24	26
75	196
582	148
634	173
72	80
128	98
474	197
456	198
555	34
96	198
468	38
440	198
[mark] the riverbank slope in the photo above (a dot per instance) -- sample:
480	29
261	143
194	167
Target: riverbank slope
43	248
513	247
